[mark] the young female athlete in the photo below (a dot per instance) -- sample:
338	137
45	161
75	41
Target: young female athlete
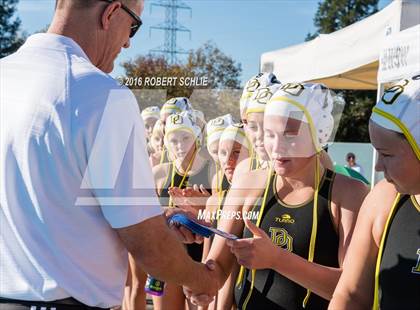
255	82
158	153
255	123
303	214
258	156
214	130
172	106
382	267
234	147
187	171
150	115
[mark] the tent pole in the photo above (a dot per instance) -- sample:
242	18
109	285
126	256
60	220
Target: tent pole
379	93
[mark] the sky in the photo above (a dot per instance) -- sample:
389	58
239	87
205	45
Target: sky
242	29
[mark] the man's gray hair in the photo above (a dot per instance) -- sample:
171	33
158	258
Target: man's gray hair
83	4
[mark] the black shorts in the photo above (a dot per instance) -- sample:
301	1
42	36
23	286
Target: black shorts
62	304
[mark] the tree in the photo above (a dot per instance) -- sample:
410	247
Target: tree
219	96
146	67
336	14
331	16
210	61
10	41
353	126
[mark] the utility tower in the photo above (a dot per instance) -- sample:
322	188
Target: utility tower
171	26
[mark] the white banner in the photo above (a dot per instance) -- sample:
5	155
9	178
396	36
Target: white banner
400	55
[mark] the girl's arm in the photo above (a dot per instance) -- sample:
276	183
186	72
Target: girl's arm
356	285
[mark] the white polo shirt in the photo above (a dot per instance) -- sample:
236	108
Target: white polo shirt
73	166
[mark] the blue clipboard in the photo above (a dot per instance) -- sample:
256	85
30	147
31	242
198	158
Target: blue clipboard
197	228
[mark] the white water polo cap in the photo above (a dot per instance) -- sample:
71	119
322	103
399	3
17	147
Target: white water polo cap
235	132
216	126
151	112
199	117
182	121
260	98
311	103
399	110
176	105
257	81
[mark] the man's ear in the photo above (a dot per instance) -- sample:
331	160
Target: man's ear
109	13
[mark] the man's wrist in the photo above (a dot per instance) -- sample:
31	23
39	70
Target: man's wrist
203	279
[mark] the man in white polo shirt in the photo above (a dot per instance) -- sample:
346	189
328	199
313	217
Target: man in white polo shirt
77	190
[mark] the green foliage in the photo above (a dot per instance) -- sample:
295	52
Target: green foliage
336	14
331	16
10	41
221	70
156	66
354	121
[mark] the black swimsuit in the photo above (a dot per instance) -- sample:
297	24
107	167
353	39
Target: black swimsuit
221	195
291	227
195	250
398	282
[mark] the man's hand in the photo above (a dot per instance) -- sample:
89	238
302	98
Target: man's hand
256	252
160	254
184	234
203	298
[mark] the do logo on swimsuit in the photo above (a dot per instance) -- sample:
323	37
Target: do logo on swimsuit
281	238
416	269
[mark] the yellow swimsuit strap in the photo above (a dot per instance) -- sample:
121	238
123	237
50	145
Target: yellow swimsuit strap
260	215
314	222
381	250
183	178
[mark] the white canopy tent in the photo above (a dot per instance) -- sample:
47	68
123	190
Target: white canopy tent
347	58
350	57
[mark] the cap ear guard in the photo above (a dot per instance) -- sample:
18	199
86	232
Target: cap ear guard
316	103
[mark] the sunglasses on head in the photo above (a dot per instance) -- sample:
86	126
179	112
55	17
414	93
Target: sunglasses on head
137	20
